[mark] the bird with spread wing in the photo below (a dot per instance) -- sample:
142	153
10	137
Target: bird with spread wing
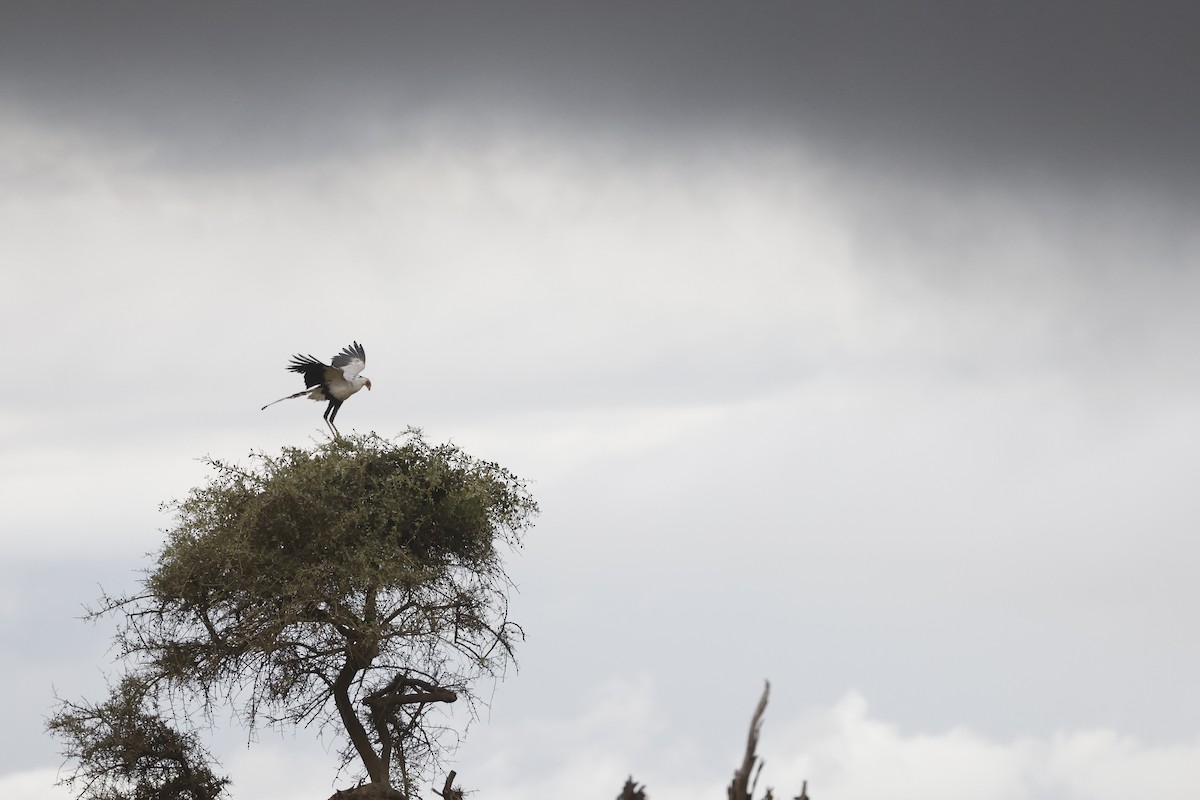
333	382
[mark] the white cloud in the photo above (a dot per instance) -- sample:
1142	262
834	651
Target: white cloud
1105	765
34	784
618	729
844	752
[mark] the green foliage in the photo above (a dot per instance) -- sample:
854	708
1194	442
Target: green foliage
127	751
352	585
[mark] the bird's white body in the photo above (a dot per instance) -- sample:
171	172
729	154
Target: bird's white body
338	388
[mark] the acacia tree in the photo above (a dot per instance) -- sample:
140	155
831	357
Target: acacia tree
352	586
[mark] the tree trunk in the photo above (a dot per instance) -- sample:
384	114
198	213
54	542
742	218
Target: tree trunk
378	770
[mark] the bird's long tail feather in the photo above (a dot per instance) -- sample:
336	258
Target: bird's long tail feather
289	397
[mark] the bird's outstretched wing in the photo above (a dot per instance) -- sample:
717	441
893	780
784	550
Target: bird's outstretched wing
351	360
314	371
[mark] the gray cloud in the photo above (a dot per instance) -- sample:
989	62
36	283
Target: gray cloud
1080	88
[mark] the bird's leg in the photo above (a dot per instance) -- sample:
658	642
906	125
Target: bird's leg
330	413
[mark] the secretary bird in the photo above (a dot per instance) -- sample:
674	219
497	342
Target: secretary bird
333	382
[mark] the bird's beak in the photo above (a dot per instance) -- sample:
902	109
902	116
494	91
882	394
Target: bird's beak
368	383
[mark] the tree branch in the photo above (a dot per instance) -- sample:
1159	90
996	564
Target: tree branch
740	788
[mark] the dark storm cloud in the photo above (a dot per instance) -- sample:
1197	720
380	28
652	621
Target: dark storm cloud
1088	86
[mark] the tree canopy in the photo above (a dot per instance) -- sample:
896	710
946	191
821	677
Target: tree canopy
353	585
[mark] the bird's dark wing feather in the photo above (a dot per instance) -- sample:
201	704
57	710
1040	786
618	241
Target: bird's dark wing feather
312	369
351	360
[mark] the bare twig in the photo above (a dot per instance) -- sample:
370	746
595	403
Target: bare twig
740	788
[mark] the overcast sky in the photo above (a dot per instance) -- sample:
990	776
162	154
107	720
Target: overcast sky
851	346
